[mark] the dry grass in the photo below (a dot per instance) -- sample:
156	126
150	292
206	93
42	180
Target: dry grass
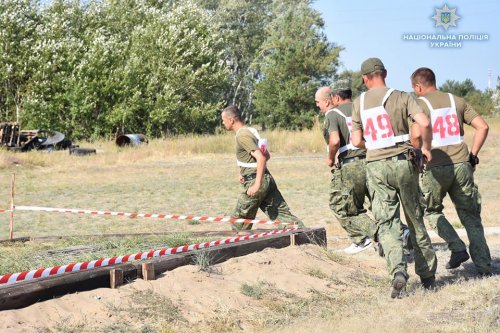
198	175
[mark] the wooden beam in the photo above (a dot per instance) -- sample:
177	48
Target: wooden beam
115	278
25	293
148	271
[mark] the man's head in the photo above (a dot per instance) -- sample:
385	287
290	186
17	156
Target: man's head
423	81
373	72
323	99
231	115
341	92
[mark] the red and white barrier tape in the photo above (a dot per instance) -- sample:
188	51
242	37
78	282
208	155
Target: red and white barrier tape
147	215
4	210
11	278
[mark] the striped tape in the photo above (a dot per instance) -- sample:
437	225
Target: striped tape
147	215
59	270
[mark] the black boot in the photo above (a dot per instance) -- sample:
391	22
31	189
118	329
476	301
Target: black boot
429	283
457	258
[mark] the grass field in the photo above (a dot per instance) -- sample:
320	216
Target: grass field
196	175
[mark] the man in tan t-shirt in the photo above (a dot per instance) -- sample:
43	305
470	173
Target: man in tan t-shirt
348	188
451	170
259	188
381	121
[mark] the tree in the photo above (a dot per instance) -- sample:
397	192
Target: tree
355	79
458	88
480	101
243	24
296	60
126	66
18	24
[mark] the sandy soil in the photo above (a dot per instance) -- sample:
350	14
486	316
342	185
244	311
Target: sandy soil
201	295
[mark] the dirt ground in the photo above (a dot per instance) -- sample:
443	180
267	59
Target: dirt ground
211	298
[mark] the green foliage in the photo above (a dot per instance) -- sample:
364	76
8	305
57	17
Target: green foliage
96	68
458	88
243	25
18	25
297	59
356	80
482	102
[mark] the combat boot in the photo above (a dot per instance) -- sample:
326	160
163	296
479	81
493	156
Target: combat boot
457	258
429	283
398	285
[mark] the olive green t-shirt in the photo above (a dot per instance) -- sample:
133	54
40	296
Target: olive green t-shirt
335	122
456	153
401	108
246	143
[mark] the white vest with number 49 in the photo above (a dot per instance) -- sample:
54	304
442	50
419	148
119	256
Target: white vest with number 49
377	127
445	125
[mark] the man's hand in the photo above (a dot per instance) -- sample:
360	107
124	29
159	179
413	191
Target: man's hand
329	162
241	179
427	155
473	160
253	189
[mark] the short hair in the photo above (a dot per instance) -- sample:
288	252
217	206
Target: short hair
232	111
325	92
379	72
424	76
343	94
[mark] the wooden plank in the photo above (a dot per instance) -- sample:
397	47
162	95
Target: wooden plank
25	293
115	278
148	271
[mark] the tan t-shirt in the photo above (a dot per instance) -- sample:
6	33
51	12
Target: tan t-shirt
246	143
335	122
456	153
401	108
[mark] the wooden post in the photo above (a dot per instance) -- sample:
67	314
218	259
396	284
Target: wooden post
292	239
115	278
12	207
148	271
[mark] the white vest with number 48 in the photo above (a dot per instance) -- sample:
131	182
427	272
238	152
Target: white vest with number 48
445	125
377	127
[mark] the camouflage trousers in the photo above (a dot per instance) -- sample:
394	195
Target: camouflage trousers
348	190
393	183
268	198
457	180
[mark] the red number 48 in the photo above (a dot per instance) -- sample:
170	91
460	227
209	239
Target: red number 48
446	126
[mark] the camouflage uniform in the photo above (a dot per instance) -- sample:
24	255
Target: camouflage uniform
393	181
348	184
268	197
450	172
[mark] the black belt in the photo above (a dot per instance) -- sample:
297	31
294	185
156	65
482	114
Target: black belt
351	159
400	157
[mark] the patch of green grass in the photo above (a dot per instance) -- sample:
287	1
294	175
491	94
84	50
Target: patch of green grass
32	255
317	273
205	262
255	291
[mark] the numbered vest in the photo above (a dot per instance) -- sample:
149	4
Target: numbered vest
377	126
348	121
445	125
261	143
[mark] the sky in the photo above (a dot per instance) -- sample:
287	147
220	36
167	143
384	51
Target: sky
384	28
